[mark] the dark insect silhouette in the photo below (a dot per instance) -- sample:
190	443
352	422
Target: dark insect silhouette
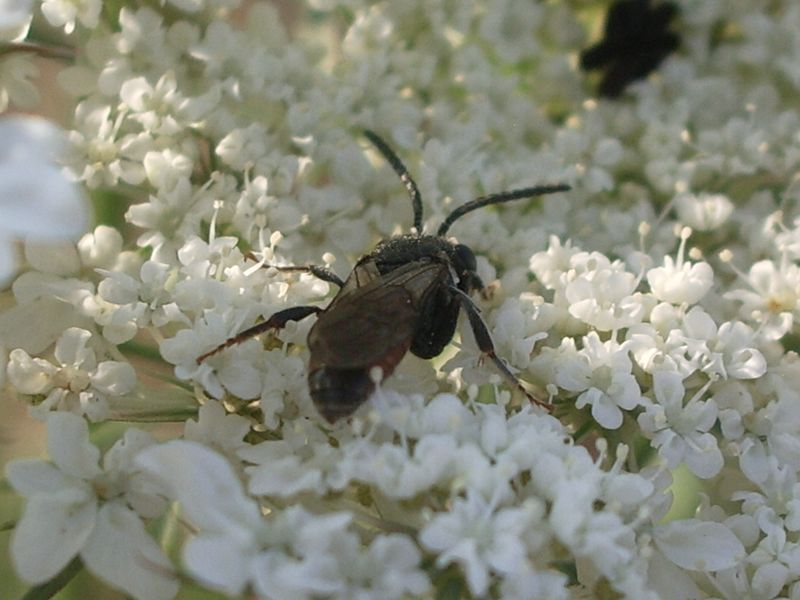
404	295
635	40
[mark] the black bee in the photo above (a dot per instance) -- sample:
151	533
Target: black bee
635	40
404	295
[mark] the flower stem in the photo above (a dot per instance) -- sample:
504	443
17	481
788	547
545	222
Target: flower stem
43	50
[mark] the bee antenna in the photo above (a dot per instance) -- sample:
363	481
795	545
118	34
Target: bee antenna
498	198
402	171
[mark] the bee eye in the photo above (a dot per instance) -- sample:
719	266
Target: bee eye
465	258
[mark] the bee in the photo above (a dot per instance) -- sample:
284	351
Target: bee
636	38
405	295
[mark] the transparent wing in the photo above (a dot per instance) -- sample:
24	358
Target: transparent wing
373	325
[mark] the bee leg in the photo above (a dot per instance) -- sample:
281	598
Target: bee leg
276	321
323	273
486	346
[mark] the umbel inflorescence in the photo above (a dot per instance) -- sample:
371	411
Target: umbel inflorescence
652	306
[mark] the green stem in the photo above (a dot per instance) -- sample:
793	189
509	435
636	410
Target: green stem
57	583
43	50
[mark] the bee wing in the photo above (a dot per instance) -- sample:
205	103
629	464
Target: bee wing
361	275
373	325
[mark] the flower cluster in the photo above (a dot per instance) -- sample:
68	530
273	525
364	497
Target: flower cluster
222	144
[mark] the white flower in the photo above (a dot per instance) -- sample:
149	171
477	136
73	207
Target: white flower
15	20
140	302
610	543
734	353
784	240
152	105
535	585
512	22
53	258
100	154
284	471
291	554
213	500
601	373
694	342
221	140
681	282
774	298
18	73
37	199
216	428
200	479
480	538
703	212
398	472
170	218
699	545
101	247
284	383
243	147
79	383
743	581
651	351
587	515
681	432
603	295
167	169
387	569
775	559
549	265
775	506
75	507
64	13
234	369
259	206
518	325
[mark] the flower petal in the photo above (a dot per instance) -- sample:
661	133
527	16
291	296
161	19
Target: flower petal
699	545
205	484
121	552
218	562
71	348
29	476
69	447
51	532
36	197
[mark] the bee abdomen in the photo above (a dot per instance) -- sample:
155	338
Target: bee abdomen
337	393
